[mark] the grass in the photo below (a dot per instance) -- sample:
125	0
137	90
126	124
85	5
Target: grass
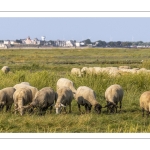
40	75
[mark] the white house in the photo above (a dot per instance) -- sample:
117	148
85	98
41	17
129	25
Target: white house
69	43
7	42
77	44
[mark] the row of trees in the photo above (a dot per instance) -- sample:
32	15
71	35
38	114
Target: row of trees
100	43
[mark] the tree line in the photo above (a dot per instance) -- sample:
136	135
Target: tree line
100	43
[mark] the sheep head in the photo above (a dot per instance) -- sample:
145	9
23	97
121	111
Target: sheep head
98	108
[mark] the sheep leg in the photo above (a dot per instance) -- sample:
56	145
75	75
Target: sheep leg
51	107
65	109
8	107
86	109
116	109
120	105
1	107
89	109
16	107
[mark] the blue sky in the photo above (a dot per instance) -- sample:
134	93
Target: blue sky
76	28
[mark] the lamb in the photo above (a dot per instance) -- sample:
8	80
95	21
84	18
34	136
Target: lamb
113	95
145	102
66	82
65	97
5	69
76	71
25	85
22	97
44	99
85	96
6	98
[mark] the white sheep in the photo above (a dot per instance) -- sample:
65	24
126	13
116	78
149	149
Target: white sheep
22	97
84	70
44	99
64	98
6	98
85	96
145	102
66	82
5	69
76	71
113	95
25	85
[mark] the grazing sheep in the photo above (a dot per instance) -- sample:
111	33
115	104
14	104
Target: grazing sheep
84	70
66	82
76	71
113	95
25	85
22	96
44	99
5	69
65	97
145	102
6	98
85	96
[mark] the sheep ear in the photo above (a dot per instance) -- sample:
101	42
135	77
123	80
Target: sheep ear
62	105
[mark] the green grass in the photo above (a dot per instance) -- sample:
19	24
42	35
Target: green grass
44	74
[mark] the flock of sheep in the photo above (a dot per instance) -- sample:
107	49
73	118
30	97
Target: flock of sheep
26	98
113	71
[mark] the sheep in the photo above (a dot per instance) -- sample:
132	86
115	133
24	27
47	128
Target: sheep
44	98
66	82
76	71
65	97
25	85
6	98
84	70
85	96
22	96
113	95
145	102
5	69
97	70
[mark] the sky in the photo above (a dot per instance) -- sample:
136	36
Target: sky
76	28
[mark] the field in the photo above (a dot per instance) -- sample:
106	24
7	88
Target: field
43	67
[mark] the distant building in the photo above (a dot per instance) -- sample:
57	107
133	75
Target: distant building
28	41
82	44
77	44
7	42
70	43
3	46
